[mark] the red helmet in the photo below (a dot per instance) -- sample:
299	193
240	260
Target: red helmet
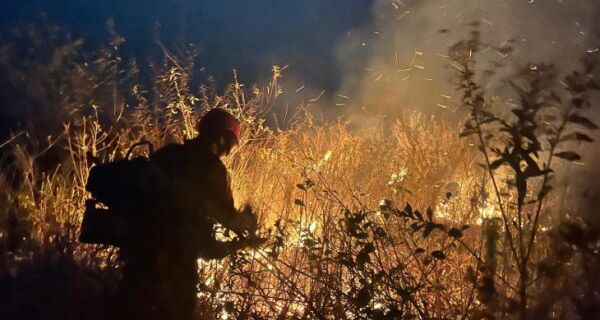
217	121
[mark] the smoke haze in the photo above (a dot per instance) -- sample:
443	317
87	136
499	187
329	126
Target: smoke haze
407	68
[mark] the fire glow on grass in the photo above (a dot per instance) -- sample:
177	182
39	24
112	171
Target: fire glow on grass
306	176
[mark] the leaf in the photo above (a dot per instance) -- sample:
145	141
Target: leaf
583	137
583	121
362	258
466	133
428	228
455	233
419	215
533	170
577	136
568	155
408	209
299	202
497	163
416	226
438	255
430	214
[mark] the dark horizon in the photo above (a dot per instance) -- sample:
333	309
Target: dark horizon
247	36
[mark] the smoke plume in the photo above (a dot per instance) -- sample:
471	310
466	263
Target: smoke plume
407	66
408	42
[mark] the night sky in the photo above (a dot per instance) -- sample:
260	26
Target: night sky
247	35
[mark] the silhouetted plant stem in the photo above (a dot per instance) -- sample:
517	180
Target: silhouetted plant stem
541	195
496	189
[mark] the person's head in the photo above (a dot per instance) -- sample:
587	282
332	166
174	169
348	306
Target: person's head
221	130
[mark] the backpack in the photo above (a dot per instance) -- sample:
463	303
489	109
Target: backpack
120	191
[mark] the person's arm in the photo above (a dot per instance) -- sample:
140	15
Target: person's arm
219	206
219	203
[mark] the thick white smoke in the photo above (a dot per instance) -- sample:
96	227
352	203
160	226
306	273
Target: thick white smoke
407	69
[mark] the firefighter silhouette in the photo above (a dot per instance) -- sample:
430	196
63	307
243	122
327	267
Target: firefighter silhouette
166	222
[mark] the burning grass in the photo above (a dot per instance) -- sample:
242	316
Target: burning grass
323	186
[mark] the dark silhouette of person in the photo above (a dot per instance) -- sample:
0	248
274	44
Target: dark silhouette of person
176	224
